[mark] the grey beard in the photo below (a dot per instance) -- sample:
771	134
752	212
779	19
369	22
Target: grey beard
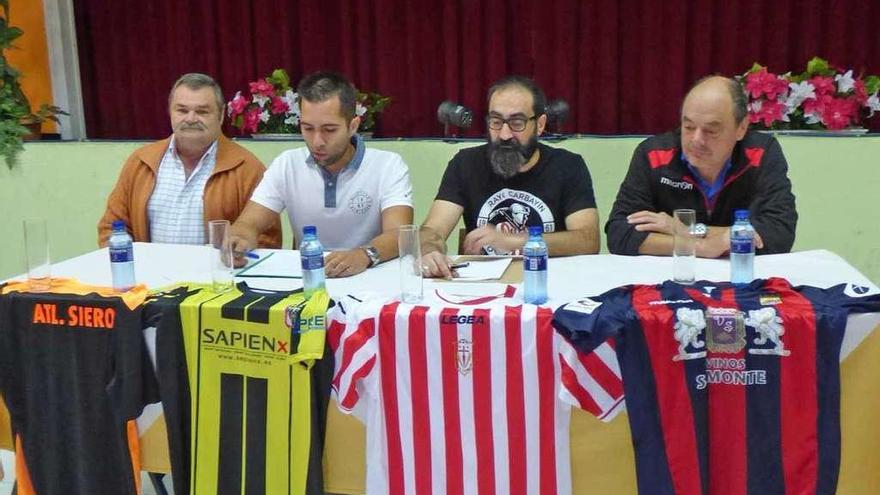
506	161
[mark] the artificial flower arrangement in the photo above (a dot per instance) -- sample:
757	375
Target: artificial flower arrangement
271	106
822	97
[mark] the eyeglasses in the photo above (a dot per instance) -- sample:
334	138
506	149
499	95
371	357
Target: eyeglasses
516	124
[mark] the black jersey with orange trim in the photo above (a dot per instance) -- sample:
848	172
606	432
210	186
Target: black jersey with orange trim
244	378
71	363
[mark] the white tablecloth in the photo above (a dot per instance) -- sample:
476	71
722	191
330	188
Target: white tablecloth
158	265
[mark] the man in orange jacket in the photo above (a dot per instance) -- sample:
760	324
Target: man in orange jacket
169	190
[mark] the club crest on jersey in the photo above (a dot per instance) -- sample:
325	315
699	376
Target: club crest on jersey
768	326
726	332
464	357
291	317
689	327
585	306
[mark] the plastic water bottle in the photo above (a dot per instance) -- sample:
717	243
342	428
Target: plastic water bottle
742	249
535	267
121	257
312	254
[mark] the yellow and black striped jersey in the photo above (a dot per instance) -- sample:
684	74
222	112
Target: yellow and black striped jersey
244	383
75	375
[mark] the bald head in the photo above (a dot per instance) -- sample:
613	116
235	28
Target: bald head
722	87
712	121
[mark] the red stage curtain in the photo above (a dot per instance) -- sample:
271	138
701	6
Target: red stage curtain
623	65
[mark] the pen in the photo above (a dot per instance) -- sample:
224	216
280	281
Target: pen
456	266
250	254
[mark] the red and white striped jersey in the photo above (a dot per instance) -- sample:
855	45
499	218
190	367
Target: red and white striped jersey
465	399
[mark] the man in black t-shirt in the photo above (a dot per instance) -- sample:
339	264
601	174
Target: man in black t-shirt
511	183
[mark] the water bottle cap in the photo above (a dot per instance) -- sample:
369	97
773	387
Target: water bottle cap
118	226
310	230
741	215
536	230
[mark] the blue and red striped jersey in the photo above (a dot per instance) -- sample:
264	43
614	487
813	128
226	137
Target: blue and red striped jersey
729	389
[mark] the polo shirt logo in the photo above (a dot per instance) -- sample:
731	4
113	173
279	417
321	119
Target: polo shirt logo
360	203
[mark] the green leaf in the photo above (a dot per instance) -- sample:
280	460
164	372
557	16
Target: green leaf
756	67
818	66
279	77
872	84
8	35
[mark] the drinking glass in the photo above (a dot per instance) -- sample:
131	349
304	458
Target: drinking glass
410	251
684	246
220	255
36	252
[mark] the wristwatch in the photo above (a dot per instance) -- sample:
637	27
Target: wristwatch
700	230
373	254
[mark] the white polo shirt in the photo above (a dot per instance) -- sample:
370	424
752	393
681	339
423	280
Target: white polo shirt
346	207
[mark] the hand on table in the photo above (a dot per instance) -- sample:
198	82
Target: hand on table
240	245
346	263
717	243
489	235
437	265
650	221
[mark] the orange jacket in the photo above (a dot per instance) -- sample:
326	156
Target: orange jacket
235	176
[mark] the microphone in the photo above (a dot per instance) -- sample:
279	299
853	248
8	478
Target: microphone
451	113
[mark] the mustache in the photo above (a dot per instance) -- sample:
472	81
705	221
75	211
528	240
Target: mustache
508	144
191	126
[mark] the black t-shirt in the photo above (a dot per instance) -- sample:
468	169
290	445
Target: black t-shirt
557	186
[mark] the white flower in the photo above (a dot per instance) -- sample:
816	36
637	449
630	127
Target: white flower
360	110
873	103
755	106
845	82
264	116
292	119
291	99
799	92
261	100
812	118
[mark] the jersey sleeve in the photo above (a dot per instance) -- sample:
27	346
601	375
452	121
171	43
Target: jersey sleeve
591	381
353	341
590	321
854	298
590	372
310	330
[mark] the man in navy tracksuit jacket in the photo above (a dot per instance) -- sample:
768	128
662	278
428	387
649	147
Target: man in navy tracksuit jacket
713	165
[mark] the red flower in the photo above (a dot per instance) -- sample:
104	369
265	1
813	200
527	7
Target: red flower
262	87
770	112
860	92
817	105
764	83
839	112
278	106
824	85
237	105
251	119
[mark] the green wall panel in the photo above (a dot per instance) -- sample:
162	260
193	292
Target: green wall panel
835	179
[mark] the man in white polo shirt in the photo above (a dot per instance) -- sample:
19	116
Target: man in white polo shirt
357	197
